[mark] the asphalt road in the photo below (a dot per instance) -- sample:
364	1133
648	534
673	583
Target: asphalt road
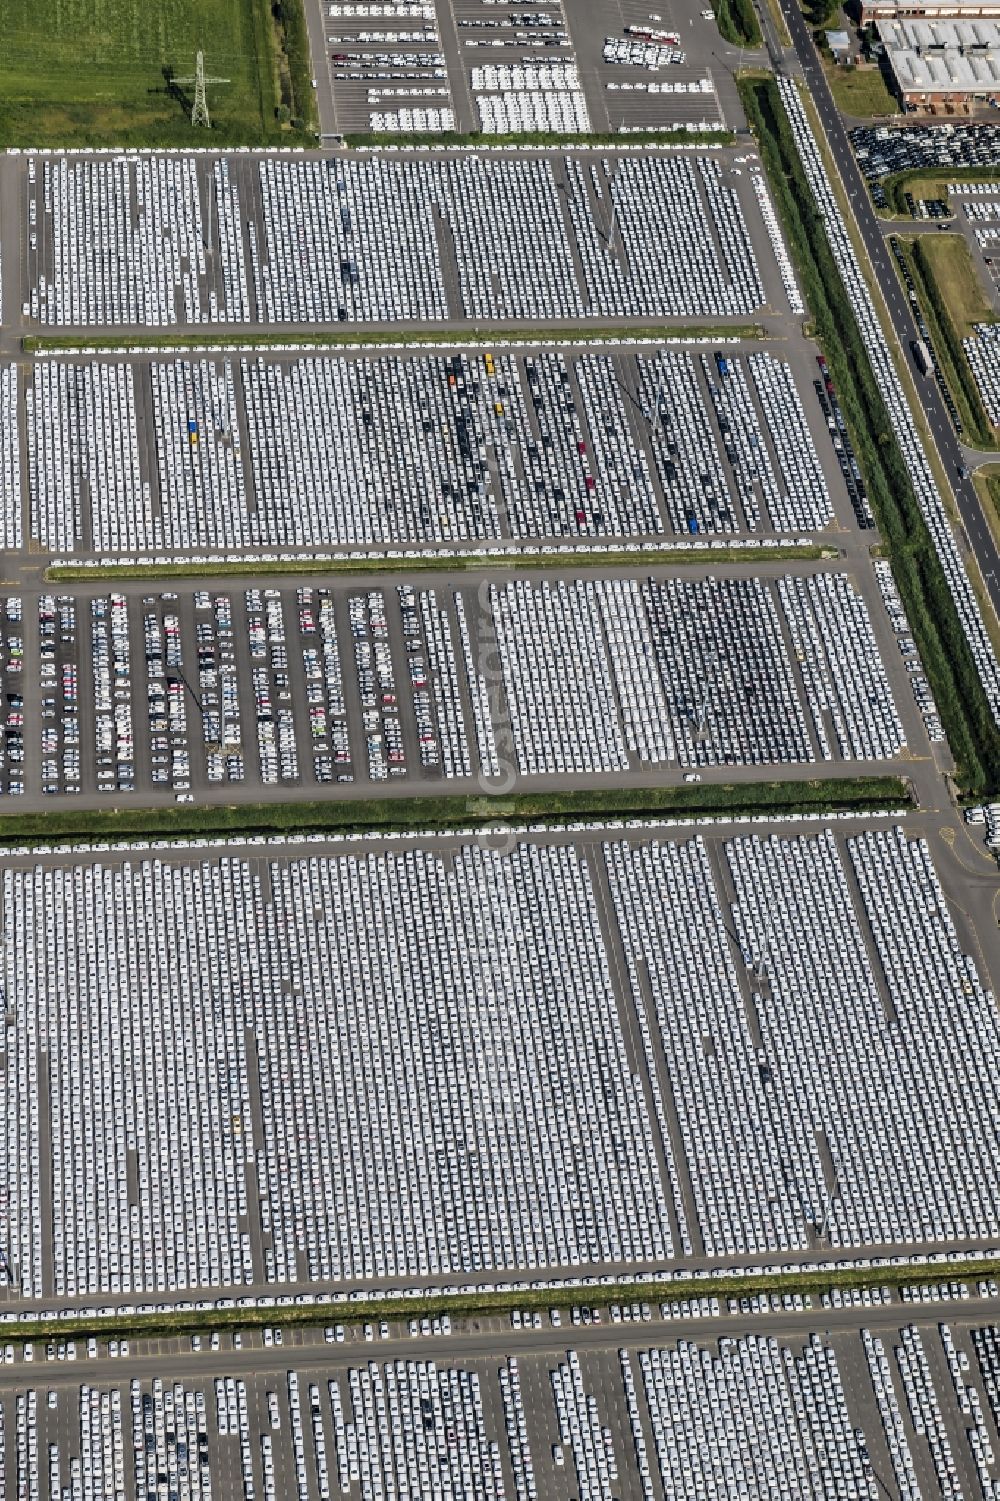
880	256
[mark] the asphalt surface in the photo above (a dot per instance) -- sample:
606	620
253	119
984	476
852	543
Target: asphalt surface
974	524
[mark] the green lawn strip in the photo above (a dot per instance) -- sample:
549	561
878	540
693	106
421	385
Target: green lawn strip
416	138
448	337
469	1305
737	22
418	563
861	92
948	348
972	734
456	810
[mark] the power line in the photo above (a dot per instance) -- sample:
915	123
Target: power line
199	114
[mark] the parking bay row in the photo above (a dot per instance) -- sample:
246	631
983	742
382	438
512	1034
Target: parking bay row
201	455
751	1058
797	1417
342	681
299	240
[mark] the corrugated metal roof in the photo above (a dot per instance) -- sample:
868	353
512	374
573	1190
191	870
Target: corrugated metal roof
944	56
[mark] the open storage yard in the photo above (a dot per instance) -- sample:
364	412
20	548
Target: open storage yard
511	490
395	238
903	1407
345	687
619	989
472	66
354	451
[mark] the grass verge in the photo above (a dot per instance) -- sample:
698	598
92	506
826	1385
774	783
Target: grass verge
416	563
470	1305
941	268
946	261
987	483
972	734
405	814
861	92
418	337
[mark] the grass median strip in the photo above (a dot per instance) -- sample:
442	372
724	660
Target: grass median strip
417	563
359	336
404	815
471	1305
972	734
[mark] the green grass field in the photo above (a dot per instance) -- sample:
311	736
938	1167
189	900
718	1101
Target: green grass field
861	92
90	72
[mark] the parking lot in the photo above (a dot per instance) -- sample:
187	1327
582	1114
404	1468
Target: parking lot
270	1068
882	150
242	690
474	66
897	1408
811	962
402	238
198	456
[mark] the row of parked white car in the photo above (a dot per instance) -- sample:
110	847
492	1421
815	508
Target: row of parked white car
753	1419
469	984
358	240
395	450
982	349
889	1070
749	1416
604	675
393	969
697	1420
11	503
526	110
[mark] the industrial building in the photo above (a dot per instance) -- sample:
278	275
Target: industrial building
928	10
950	66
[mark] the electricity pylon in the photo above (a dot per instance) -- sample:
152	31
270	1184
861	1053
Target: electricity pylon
199	115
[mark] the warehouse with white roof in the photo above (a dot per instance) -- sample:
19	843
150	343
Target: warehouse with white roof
943	64
930	10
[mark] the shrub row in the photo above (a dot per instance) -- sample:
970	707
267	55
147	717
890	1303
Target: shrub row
737	22
456	810
471	1305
